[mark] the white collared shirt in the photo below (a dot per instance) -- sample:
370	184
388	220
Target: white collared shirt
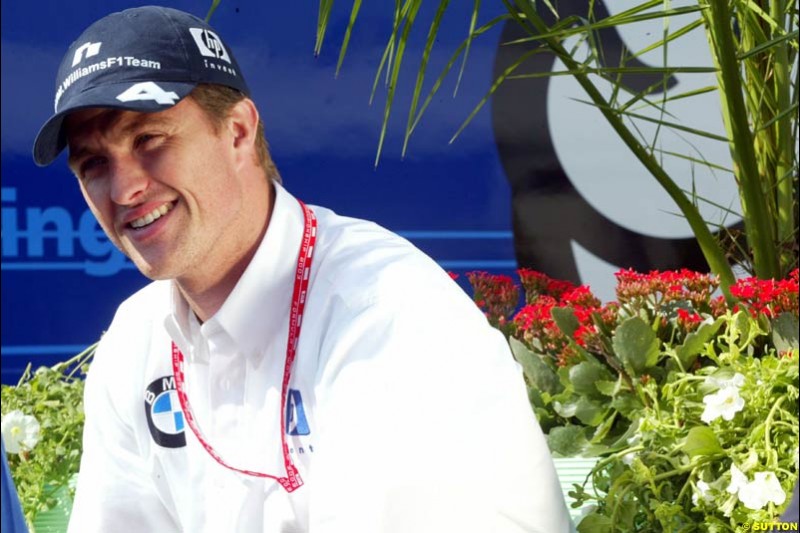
406	410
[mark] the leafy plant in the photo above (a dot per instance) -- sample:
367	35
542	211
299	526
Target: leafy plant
691	403
713	449
50	400
753	45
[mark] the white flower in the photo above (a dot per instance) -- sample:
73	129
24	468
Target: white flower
724	403
755	494
703	493
629	457
738	480
736	381
20	431
771	487
764	488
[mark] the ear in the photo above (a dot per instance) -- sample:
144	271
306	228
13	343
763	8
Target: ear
243	126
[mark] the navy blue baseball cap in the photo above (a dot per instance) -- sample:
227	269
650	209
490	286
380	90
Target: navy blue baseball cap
143	59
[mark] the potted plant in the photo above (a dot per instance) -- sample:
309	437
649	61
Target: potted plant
42	428
689	403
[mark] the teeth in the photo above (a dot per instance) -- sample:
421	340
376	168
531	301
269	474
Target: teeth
152	216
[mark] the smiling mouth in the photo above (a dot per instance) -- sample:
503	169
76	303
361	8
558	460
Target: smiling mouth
152	216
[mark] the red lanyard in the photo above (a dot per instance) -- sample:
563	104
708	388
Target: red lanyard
292	480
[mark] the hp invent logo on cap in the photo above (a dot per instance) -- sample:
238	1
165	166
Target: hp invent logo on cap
209	44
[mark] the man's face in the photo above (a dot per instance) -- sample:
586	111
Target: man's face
163	186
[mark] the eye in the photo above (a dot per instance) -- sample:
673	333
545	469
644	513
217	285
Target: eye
91	166
143	139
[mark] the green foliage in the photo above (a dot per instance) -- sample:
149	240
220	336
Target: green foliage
753	45
636	345
695	342
44	475
538	373
785	333
677	469
676	392
567	441
700	441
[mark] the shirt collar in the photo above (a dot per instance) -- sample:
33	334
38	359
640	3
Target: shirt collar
258	307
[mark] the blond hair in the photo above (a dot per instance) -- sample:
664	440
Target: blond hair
217	101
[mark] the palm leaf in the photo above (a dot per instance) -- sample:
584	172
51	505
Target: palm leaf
473	21
426	53
347	33
323	17
413	8
434	90
211	9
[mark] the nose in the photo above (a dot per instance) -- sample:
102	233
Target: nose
129	180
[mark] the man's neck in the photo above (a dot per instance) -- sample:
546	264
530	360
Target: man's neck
206	294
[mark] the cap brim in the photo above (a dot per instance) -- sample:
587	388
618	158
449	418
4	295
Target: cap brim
52	139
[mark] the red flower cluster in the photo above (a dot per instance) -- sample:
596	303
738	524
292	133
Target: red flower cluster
580	297
688	293
588	334
667	286
768	296
536	327
496	295
535	324
688	320
537	284
568	357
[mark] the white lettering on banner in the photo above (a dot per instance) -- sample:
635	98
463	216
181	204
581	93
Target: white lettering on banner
48	239
90	49
109	62
147	90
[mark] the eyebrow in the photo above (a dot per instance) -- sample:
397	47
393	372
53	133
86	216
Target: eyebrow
73	158
146	119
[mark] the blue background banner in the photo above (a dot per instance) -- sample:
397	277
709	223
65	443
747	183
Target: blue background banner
62	279
537	178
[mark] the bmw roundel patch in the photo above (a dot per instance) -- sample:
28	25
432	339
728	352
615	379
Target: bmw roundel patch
164	415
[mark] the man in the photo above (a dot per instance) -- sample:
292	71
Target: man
290	369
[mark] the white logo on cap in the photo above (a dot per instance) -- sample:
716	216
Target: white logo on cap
91	49
147	90
209	44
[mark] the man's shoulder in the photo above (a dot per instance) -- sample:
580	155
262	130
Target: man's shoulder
365	266
356	254
124	355
139	315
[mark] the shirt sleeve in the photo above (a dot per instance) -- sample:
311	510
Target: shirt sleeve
115	491
425	425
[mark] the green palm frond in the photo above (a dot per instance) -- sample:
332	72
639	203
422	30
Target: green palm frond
753	44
